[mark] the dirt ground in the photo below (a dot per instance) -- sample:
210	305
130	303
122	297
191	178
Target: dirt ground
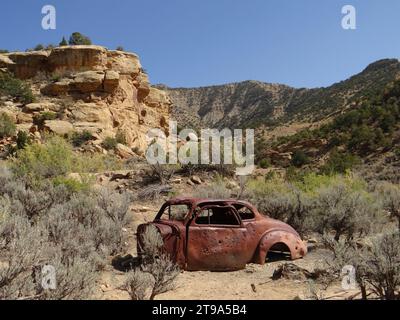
254	282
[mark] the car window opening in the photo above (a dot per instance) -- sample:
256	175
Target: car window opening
217	216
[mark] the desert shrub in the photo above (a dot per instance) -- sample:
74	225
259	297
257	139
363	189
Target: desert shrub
300	158
79	138
217	190
109	143
280	200
22	139
137	284
20	250
154	191
72	185
396	152
155	278
7	126
120	48
40	118
391	198
23	256
41	161
318	203
157	272
377	264
55	158
163	172
120	138
265	163
11	86
164	272
340	162
346	211
152	242
94	163
75	233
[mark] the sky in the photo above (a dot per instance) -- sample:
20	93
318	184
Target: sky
191	43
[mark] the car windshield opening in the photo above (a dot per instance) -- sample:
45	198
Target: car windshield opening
175	212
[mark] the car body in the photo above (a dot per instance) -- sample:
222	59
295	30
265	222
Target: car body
220	235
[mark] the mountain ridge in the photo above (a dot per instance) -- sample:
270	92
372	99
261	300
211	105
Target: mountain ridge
254	103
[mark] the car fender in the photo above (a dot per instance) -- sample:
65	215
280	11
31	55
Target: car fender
296	246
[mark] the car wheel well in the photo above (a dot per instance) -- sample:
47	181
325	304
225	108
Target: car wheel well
279	246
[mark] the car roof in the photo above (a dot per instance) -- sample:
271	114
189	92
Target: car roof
198	201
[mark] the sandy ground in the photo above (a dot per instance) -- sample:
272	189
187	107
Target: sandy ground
252	283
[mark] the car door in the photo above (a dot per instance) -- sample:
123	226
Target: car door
216	239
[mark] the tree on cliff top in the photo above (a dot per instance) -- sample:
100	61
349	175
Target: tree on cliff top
63	42
79	39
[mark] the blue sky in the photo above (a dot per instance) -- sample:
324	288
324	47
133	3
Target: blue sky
203	42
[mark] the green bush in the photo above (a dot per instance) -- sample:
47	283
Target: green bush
79	39
11	86
43	116
22	139
7	126
94	163
397	152
265	163
340	162
300	158
120	138
38	47
79	138
42	161
109	143
63	42
72	185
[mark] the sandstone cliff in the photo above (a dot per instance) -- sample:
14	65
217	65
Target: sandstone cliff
88	88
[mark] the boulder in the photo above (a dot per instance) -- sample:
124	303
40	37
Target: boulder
232	185
33	107
196	180
125	63
59	127
156	98
111	81
25	127
88	81
143	86
123	151
5	62
24	118
58	88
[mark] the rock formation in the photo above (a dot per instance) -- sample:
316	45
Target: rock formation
88	88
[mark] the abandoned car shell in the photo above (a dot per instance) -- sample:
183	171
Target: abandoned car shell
220	235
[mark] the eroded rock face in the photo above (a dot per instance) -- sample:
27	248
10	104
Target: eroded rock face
92	88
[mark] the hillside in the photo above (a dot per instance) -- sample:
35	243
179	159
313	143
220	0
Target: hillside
254	103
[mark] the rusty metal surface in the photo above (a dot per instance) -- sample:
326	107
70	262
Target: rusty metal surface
199	242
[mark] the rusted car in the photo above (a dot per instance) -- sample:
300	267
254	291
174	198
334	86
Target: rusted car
220	235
